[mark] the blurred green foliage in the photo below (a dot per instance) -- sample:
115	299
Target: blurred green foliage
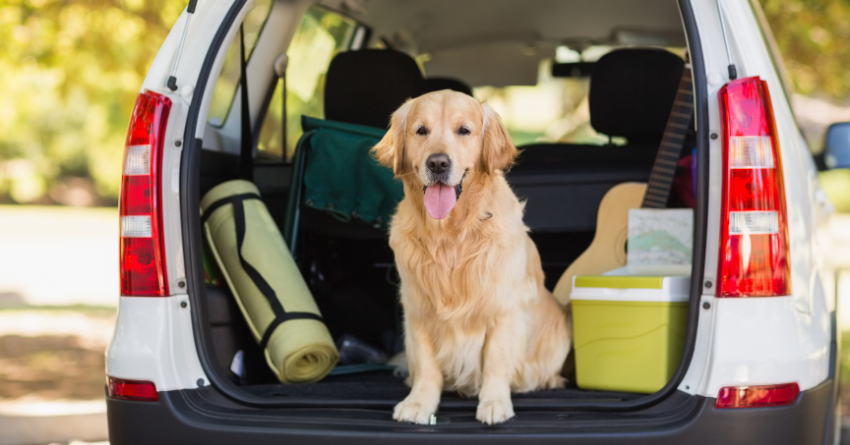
814	39
836	185
71	71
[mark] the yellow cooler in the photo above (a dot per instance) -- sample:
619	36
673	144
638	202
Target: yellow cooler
628	331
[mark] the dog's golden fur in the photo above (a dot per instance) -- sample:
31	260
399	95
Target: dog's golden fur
478	318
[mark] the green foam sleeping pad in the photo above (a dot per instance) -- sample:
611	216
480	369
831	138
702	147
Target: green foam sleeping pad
267	285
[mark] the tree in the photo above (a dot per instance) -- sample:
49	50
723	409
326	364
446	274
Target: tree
814	39
71	72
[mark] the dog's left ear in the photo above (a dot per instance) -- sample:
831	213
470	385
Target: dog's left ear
498	152
390	150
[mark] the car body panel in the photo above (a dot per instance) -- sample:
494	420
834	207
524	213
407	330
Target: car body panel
197	416
153	341
738	341
772	339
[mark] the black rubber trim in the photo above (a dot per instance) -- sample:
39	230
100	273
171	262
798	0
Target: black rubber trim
190	169
832	429
246	152
190	172
202	416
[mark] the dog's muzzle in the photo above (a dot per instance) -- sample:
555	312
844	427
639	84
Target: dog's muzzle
458	187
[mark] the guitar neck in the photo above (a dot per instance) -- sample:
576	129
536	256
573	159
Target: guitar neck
667	158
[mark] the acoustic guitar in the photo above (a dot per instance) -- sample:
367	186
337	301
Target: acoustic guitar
607	251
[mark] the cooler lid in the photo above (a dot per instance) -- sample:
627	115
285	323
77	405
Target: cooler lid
619	285
619	282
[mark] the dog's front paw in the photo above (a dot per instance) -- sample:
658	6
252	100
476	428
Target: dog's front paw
495	411
414	411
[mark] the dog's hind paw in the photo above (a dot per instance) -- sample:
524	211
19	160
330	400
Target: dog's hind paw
494	411
554	382
413	411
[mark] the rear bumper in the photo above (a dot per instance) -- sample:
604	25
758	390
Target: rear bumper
202	416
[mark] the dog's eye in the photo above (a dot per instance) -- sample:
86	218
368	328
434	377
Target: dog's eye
463	131
421	130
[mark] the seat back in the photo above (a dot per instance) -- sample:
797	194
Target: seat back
364	87
631	94
446	83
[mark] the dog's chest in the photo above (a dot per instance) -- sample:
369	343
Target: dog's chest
448	270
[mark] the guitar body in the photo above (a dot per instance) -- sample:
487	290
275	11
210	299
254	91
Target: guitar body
607	250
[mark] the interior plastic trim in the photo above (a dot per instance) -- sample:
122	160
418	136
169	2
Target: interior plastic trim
190	203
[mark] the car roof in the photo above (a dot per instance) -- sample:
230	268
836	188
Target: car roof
501	42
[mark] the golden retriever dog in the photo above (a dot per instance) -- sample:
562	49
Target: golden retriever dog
477	317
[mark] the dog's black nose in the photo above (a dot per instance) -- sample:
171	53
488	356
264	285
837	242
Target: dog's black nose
438	163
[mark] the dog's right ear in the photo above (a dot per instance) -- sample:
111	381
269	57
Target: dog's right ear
390	150
498	152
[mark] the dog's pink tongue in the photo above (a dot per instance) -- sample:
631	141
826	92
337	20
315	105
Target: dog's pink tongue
440	200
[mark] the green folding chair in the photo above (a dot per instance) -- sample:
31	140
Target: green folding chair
335	173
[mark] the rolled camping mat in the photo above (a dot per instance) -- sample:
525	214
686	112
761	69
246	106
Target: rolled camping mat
269	288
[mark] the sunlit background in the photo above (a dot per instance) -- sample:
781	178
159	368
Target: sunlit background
70	72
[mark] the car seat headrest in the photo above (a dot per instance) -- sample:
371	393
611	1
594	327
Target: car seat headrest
446	83
632	92
364	87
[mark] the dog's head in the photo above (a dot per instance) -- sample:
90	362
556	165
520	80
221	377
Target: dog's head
438	139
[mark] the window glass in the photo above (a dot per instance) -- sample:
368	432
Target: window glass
320	36
270	144
556	109
225	87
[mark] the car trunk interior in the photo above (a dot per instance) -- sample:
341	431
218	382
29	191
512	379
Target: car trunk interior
497	49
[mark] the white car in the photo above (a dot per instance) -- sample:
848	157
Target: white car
760	356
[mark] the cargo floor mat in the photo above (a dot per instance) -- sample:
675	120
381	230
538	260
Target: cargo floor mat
384	386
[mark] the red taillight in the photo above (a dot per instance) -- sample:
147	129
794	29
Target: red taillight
757	396
753	260
131	389
143	272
